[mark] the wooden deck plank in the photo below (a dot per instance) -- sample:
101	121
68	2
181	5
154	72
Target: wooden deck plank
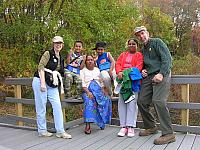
33	141
36	142
159	147
20	140
4	148
125	143
171	146
75	140
10	134
95	139
138	143
196	145
17	139
118	142
96	134
187	142
175	145
149	143
11	141
75	132
102	142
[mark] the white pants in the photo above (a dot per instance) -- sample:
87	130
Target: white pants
128	112
107	80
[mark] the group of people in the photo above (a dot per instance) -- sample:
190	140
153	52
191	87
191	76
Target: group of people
141	77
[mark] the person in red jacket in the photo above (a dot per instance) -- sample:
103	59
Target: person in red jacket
128	111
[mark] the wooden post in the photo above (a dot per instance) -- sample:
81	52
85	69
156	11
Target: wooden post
18	107
185	99
62	97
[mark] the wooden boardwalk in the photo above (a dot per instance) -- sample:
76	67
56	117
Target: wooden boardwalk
18	139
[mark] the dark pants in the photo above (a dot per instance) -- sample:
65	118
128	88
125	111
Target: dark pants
156	94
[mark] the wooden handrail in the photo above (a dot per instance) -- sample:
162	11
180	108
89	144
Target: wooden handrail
183	80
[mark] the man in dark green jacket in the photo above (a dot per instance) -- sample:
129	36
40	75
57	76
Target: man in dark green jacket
155	86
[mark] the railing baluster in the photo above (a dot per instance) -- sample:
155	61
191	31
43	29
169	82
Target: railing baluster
62	97
19	110
186	99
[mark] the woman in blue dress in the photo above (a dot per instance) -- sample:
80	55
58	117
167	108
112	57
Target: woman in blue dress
97	105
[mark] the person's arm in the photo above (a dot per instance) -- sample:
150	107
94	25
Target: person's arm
112	63
83	62
43	62
118	66
69	56
82	76
165	57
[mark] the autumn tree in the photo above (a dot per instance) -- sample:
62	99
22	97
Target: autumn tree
27	27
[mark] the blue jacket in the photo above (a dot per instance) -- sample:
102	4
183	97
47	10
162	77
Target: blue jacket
135	76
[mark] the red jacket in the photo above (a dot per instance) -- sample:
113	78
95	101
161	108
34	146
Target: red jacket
137	61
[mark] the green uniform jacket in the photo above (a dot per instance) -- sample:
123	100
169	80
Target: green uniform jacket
157	57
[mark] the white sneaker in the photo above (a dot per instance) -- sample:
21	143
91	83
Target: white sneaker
45	134
131	132
117	88
131	98
63	135
122	132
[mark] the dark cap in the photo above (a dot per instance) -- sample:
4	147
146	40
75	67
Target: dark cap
99	44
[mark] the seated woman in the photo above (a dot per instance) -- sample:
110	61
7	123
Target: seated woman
97	106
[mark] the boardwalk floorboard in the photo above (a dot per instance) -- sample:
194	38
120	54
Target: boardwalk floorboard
96	134
18	139
187	142
102	141
196	144
126	142
176	145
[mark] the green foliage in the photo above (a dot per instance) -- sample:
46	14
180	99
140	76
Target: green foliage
159	25
28	26
188	64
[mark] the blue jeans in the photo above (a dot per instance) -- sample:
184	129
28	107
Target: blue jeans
52	94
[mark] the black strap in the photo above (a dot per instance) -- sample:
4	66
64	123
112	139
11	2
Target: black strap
74	59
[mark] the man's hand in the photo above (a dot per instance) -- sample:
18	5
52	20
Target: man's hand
144	73
157	78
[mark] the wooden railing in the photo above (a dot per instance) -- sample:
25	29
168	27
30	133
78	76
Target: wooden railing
184	80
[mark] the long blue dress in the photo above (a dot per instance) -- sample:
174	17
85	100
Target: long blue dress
98	109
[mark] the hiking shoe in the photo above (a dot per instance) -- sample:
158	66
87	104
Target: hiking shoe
130	132
45	134
63	135
122	132
165	139
147	132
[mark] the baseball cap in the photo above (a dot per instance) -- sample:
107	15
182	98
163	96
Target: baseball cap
57	39
138	29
